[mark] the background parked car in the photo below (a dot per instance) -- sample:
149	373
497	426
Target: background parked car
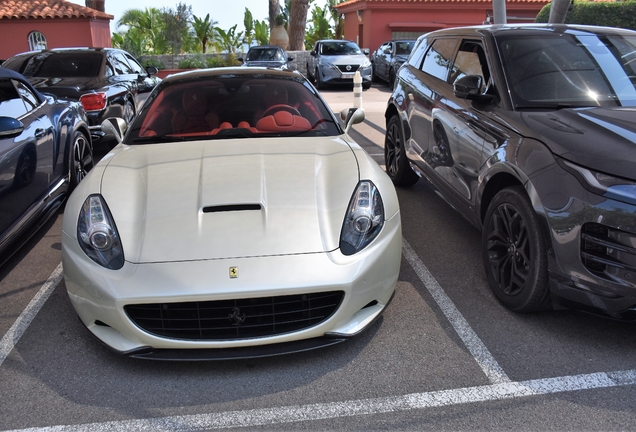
388	58
529	132
267	56
45	149
336	61
108	82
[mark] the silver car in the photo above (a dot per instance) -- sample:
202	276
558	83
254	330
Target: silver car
336	62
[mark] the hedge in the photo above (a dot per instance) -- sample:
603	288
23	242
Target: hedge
614	14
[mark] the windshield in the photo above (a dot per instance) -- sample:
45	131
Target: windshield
265	54
562	70
58	65
404	47
232	106
339	48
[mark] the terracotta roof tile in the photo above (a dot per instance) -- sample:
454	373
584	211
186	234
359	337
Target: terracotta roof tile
26	9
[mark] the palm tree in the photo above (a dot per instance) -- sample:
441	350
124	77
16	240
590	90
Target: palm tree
297	23
204	30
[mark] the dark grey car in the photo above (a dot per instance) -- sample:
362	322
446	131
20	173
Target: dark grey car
529	131
267	56
388	58
45	150
109	82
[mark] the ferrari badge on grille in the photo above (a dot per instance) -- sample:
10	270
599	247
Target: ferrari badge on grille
233	272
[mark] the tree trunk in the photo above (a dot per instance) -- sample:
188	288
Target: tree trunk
297	24
274	9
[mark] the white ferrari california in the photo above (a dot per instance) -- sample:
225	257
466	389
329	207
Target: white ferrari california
236	218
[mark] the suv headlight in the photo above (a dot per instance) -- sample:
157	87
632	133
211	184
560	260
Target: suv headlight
366	64
364	219
97	234
606	185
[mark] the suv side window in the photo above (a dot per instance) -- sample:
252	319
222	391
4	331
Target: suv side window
438	58
415	59
470	60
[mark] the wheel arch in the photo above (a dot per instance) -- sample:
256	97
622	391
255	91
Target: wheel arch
392	110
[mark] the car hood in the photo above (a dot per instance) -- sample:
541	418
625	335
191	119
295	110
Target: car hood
66	87
345	59
230	198
603	139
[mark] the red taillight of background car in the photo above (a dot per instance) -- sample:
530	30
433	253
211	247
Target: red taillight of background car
93	101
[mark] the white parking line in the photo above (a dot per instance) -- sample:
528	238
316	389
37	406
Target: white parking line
476	347
22	323
331	410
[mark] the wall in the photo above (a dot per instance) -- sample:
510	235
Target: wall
59	34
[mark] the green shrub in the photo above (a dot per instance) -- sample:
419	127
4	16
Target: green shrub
195	62
615	14
153	62
214	62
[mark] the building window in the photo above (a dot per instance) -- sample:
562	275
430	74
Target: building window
37	41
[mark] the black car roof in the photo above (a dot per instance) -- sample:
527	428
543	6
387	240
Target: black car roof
11	74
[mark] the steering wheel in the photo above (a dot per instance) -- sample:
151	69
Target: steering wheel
281	107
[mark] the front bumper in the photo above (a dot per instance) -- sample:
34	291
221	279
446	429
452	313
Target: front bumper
334	75
592	259
99	295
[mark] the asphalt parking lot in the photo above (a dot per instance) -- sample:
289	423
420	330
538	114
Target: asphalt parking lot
444	356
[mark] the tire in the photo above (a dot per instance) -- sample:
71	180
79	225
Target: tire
81	161
391	78
319	84
309	76
514	252
396	162
374	77
129	112
26	167
366	86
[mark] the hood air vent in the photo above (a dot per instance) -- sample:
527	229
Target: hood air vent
232	207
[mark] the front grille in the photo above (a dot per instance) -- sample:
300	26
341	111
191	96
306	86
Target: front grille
609	253
223	320
352	68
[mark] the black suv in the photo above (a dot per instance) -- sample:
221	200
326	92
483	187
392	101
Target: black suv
529	131
109	82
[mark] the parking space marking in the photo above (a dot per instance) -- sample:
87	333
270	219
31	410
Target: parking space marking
11	338
331	410
484	358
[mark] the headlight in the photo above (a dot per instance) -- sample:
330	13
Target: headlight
97	234
366	64
616	188
364	219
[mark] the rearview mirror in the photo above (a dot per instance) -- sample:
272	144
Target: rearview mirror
10	127
115	127
351	116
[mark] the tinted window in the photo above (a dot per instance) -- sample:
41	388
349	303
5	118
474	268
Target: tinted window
134	65
470	60
265	54
404	47
570	69
61	65
11	104
415	59
121	65
438	57
339	48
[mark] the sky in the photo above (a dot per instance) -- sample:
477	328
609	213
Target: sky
226	12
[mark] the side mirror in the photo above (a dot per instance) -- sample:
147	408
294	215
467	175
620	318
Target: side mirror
313	53
366	51
290	58
151	70
115	127
351	116
387	50
241	59
10	127
468	87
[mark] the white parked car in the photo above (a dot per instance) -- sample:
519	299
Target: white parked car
235	219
